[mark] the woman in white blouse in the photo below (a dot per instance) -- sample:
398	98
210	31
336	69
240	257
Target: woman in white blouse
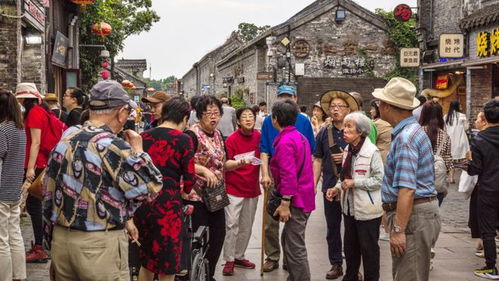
456	125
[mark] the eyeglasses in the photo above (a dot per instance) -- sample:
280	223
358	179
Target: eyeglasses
212	114
339	106
248	116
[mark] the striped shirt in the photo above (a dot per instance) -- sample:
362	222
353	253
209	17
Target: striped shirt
409	163
12	150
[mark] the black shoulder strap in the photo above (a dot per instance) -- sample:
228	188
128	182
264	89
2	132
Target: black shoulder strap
330	142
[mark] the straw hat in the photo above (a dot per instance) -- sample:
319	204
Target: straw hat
50	97
27	91
331	95
398	92
157	97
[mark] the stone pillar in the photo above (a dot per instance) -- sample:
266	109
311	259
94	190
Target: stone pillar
10	29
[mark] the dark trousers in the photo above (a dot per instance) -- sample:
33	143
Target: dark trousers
332	211
216	223
34	208
361	241
488	217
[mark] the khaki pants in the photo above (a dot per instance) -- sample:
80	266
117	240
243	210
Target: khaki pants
12	257
90	256
239	217
421	233
272	247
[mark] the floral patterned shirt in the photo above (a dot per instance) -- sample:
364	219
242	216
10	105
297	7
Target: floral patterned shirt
94	181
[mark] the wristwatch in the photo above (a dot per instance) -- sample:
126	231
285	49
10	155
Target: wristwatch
397	229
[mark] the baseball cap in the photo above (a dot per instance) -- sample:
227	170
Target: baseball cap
109	94
157	97
286	89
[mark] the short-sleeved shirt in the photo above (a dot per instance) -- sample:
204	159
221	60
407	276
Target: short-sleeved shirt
37	119
322	151
409	163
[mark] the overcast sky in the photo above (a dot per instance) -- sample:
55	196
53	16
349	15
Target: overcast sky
188	29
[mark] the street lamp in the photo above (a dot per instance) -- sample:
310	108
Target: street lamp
33	39
340	15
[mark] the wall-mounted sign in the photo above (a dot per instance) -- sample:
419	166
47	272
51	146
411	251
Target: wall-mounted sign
265	76
487	44
409	57
34	14
240	80
451	45
300	69
442	82
351	65
402	12
300	48
228	80
60	50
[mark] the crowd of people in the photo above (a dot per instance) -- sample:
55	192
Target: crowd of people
92	185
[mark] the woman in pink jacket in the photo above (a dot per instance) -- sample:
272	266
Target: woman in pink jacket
291	167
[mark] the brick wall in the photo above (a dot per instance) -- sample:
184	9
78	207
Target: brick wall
33	66
481	89
8	49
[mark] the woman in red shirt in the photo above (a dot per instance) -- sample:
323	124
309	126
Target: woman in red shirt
36	121
243	189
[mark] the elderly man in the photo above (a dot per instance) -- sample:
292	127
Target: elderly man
408	190
228	122
269	134
94	183
328	155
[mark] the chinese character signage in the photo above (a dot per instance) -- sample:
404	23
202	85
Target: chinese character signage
402	12
442	82
409	57
487	44
60	50
451	45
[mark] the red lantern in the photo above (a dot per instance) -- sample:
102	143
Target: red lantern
126	84
104	64
102	29
83	3
104	74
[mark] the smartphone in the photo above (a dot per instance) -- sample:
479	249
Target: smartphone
335	149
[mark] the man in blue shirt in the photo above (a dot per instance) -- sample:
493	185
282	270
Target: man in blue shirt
268	135
408	190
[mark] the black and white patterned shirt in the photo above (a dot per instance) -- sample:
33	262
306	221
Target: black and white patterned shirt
12	153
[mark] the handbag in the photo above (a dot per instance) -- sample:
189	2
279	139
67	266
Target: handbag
467	184
215	198
274	203
35	189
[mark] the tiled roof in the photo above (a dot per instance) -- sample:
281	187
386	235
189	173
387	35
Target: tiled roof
485	16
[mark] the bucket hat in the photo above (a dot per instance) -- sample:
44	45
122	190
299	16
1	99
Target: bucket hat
331	95
28	91
398	92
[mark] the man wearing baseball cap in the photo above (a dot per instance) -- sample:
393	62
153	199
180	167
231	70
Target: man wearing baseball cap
156	101
94	183
268	135
408	190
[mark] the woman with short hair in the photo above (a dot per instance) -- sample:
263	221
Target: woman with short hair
291	167
360	189
160	222
12	153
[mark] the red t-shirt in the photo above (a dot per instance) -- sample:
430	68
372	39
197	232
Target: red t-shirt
37	119
243	182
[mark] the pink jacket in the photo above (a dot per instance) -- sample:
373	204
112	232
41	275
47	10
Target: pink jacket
291	167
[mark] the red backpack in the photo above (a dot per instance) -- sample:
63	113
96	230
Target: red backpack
53	134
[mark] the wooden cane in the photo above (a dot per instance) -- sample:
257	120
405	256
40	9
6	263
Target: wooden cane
264	207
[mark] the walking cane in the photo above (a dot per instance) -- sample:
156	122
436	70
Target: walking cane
265	198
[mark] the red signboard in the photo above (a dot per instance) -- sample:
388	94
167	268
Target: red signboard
402	12
442	82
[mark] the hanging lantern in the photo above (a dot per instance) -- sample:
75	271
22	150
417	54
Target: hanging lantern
126	84
102	29
105	64
151	90
83	3
104	74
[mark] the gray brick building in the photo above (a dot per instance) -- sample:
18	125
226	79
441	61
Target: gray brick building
333	44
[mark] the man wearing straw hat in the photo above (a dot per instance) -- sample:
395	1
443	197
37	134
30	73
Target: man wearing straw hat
408	190
328	154
53	103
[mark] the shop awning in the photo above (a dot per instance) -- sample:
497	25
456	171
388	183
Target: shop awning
452	64
481	61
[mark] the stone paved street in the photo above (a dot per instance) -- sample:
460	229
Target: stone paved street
454	260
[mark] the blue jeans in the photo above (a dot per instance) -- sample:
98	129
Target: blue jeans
332	211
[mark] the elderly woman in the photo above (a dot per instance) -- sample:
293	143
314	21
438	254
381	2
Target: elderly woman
291	168
360	189
210	160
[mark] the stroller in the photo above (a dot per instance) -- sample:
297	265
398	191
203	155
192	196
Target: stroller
193	264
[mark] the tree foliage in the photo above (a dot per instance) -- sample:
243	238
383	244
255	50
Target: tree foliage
161	84
249	31
403	35
126	17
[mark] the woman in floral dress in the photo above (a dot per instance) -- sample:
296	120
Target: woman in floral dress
160	222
